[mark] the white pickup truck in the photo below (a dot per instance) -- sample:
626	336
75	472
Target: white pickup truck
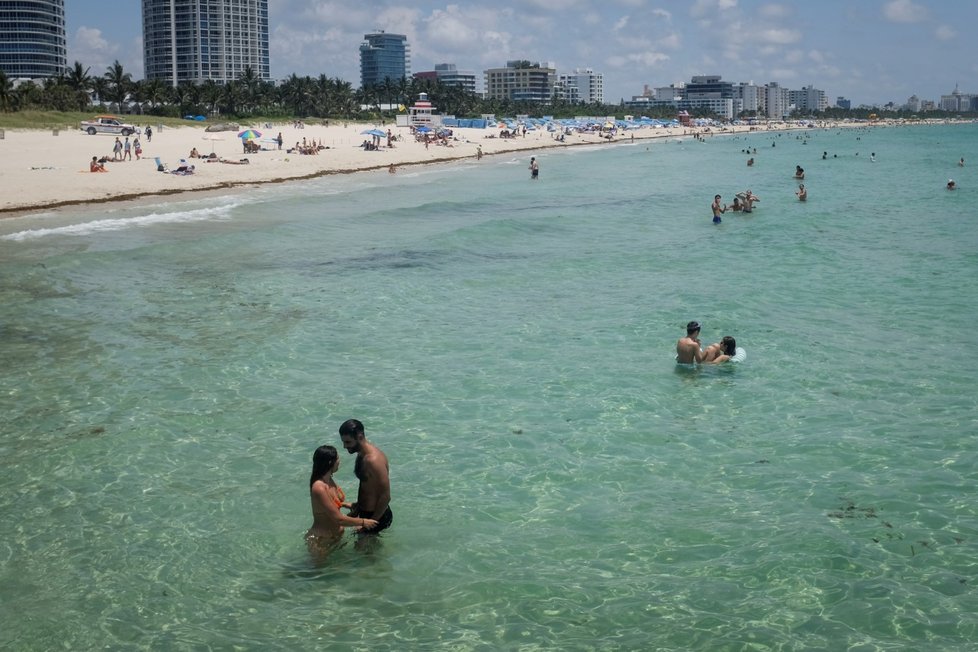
107	124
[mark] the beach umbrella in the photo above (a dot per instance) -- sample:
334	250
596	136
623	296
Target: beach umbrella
423	129
212	138
374	132
249	134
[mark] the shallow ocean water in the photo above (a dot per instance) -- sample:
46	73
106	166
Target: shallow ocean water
558	482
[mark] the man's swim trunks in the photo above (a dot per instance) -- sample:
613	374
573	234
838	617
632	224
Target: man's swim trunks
716	219
383	522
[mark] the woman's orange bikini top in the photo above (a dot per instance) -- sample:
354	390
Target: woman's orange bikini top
340	497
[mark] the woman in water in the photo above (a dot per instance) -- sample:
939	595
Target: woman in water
722	351
328	498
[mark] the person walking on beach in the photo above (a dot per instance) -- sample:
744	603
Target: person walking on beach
718	210
127	149
137	147
688	348
534	168
373	472
278	140
117	149
478	153
149	134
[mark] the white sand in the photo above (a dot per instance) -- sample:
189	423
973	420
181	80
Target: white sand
44	171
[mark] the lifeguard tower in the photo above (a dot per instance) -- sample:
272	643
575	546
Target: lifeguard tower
422	113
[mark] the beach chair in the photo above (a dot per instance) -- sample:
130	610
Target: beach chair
159	164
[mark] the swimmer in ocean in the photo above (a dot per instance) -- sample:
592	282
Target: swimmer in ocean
688	348
720	352
718	210
799	172
802	193
327	499
951	185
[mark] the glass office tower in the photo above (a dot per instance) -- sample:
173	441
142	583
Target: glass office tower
197	40
383	56
32	38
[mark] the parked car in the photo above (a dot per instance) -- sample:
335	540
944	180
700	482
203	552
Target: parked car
107	124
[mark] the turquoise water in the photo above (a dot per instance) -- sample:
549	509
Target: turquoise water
558	482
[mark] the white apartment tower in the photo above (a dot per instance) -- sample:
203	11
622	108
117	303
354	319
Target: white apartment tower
199	40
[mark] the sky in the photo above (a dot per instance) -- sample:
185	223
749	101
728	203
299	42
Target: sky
869	51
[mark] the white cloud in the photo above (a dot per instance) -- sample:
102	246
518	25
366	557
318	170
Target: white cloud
621	23
783	73
773	11
904	11
648	59
662	13
944	33
95	52
816	56
705	8
778	36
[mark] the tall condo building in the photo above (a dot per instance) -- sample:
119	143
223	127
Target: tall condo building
197	40
522	81
384	56
32	38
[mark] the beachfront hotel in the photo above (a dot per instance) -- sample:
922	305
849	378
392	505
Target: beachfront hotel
448	74
731	99
384	56
522	81
583	86
32	38
205	40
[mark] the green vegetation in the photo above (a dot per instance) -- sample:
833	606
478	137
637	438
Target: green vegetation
63	101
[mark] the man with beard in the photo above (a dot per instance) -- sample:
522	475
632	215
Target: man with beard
373	472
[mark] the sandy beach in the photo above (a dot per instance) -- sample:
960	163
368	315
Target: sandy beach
44	170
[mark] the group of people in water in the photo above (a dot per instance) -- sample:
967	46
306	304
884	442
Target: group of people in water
370	514
690	351
743	203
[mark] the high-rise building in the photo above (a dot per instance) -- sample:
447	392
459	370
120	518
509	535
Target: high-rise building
449	75
383	56
522	81
583	86
809	99
197	40
32	38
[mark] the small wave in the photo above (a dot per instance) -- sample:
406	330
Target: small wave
120	223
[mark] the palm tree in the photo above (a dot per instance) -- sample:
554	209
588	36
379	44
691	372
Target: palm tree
231	97
343	97
6	93
119	82
79	81
210	94
249	83
100	88
78	78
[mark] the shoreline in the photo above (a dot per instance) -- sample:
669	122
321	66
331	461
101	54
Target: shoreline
48	187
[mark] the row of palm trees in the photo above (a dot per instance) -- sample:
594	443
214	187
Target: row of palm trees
79	90
296	97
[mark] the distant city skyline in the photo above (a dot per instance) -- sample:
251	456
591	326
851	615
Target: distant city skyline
872	52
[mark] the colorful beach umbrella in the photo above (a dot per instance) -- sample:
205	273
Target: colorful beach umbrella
249	134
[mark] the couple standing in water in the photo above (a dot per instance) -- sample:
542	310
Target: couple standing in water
371	512
688	349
